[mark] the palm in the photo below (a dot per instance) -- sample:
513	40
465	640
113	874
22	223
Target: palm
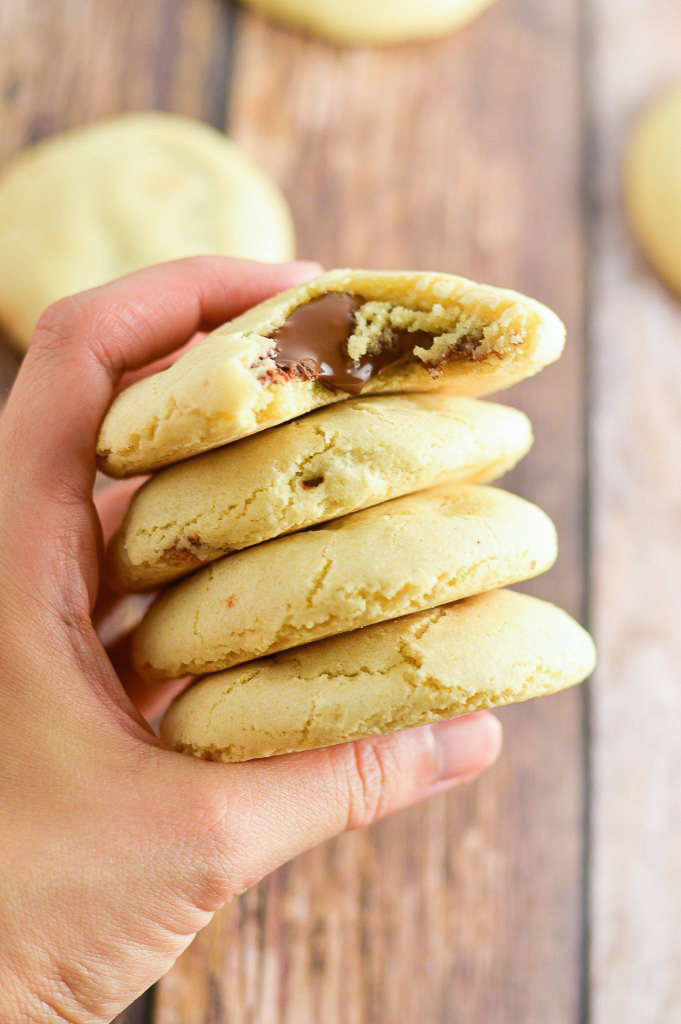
113	850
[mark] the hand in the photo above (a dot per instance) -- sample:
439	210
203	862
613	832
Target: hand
114	851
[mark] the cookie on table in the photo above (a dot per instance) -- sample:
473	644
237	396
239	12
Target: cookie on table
334	461
652	185
405	555
344	333
92	204
490	650
376	21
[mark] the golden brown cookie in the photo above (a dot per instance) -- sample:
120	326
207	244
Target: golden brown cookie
93	204
346	332
652	185
486	651
378	21
405	555
334	461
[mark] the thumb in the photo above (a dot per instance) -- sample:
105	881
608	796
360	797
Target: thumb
262	813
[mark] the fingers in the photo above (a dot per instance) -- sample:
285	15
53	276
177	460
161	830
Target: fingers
264	812
84	344
150	700
112	501
159	364
115	615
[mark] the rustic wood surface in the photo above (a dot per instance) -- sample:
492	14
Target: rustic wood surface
636	510
470	909
548	892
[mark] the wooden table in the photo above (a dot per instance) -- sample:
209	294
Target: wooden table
547	893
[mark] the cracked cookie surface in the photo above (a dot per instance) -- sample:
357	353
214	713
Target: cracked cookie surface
415	552
230	386
332	462
483	652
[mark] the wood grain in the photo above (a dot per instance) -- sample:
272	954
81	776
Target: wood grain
461	155
68	62
636	395
71	61
447	155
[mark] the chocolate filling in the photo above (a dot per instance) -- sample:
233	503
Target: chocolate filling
312	344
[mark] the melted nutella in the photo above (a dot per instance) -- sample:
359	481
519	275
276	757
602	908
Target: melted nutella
312	344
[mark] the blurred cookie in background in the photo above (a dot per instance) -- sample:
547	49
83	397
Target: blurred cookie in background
652	185
372	21
92	204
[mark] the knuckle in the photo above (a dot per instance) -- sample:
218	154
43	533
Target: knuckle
203	263
372	776
88	326
58	323
208	819
213	836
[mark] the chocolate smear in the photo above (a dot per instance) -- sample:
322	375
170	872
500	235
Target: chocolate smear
313	345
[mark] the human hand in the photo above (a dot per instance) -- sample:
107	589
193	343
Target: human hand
114	851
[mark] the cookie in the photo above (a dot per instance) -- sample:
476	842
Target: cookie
405	555
93	204
344	333
490	650
334	461
652	185
380	21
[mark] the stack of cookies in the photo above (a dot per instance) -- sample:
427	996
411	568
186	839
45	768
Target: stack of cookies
328	556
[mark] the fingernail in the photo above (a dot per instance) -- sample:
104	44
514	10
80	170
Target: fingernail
466	746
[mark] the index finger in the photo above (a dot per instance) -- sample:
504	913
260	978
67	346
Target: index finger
85	343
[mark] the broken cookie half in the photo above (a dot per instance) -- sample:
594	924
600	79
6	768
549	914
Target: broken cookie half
345	333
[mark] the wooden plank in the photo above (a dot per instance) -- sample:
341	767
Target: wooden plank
448	155
462	155
636	860
72	61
